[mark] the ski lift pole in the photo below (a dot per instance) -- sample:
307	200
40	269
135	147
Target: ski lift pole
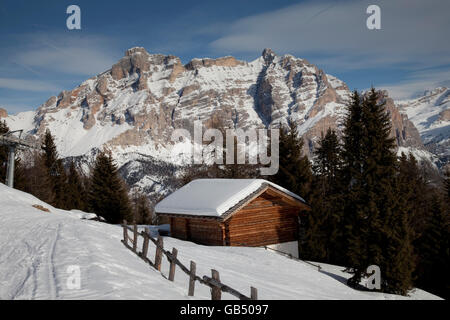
8	140
10	166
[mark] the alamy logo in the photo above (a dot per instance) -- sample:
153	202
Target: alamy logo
374	279
73	281
239	145
74	20
374	20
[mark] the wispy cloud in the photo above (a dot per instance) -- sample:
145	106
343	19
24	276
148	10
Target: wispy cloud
413	31
28	85
418	82
67	53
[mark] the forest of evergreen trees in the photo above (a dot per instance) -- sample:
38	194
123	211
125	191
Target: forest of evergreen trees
369	207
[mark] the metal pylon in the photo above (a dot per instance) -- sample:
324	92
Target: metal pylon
13	143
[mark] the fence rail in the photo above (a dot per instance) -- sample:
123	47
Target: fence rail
217	287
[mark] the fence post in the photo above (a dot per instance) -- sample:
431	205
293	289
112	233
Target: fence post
125	233
135	235
192	279
173	264
145	245
216	293
158	254
253	293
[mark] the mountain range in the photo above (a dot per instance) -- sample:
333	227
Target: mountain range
134	107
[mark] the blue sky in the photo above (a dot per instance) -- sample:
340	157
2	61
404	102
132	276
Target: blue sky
39	56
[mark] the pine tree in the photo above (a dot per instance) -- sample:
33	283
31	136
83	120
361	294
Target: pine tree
107	192
355	225
294	171
76	194
38	181
3	153
142	212
377	226
55	169
323	239
433	249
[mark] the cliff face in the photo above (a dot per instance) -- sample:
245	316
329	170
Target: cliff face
135	106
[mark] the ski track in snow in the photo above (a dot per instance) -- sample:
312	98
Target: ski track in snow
37	247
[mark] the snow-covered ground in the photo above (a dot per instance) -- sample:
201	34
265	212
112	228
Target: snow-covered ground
38	249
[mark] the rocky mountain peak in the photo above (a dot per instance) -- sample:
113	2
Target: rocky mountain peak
268	55
131	51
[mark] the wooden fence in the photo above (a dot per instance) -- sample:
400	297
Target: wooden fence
213	282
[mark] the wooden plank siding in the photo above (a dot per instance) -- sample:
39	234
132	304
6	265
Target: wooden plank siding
201	231
265	220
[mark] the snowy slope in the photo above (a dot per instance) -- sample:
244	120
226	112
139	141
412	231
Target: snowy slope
430	113
37	247
426	112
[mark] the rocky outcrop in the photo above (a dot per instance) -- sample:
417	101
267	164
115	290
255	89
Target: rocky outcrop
444	115
403	130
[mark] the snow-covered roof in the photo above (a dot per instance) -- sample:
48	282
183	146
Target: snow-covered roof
213	197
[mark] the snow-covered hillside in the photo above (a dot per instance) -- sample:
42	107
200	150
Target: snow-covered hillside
37	249
430	113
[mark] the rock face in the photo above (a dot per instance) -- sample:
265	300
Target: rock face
136	105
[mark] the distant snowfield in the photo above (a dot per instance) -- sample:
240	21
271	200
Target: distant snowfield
38	248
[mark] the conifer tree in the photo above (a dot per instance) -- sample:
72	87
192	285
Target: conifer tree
38	181
433	249
3	153
355	226
107	192
55	169
76	194
143	214
294	171
323	239
377	226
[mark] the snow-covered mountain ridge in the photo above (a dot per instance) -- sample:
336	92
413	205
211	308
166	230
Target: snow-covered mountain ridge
430	113
134	107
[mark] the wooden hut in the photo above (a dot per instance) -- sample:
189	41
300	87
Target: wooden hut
233	212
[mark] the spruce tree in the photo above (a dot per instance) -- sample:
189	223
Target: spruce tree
377	226
142	212
3	153
324	238
76	196
294	171
107	192
433	249
38	181
355	222
55	169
